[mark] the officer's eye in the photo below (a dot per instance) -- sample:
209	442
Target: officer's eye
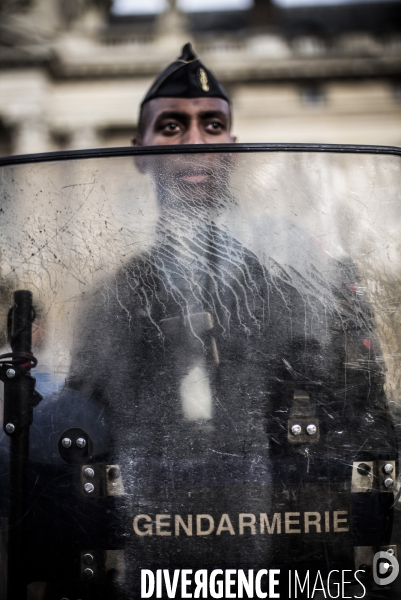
171	127
215	126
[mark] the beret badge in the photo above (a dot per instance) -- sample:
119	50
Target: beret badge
203	80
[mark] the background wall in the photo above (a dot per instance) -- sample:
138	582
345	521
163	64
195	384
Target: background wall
73	72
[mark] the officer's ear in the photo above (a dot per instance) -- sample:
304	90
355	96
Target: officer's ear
136	140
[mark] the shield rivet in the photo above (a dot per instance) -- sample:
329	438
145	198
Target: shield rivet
311	429
87	574
296	429
88	559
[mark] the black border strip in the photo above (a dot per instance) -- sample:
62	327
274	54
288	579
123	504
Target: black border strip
195	149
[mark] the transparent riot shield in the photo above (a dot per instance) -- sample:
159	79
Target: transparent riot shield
215	336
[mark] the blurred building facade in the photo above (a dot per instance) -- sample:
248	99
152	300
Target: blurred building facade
72	73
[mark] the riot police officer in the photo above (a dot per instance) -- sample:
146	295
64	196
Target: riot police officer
209	361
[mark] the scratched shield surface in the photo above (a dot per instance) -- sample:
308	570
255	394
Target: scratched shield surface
222	330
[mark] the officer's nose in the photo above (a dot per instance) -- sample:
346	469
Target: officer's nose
194	134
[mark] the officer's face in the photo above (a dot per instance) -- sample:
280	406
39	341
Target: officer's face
184	180
185	121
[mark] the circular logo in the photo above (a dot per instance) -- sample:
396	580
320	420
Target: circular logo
385	568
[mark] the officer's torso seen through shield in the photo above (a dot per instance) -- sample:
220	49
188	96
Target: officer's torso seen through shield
216	341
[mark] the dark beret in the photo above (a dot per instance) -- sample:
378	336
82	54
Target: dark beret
187	77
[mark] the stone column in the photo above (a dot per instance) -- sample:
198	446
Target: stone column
30	135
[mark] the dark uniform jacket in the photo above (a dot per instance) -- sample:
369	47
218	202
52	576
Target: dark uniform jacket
274	353
204	296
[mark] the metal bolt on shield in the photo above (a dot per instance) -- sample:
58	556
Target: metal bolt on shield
296	429
87	574
88	559
363	469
